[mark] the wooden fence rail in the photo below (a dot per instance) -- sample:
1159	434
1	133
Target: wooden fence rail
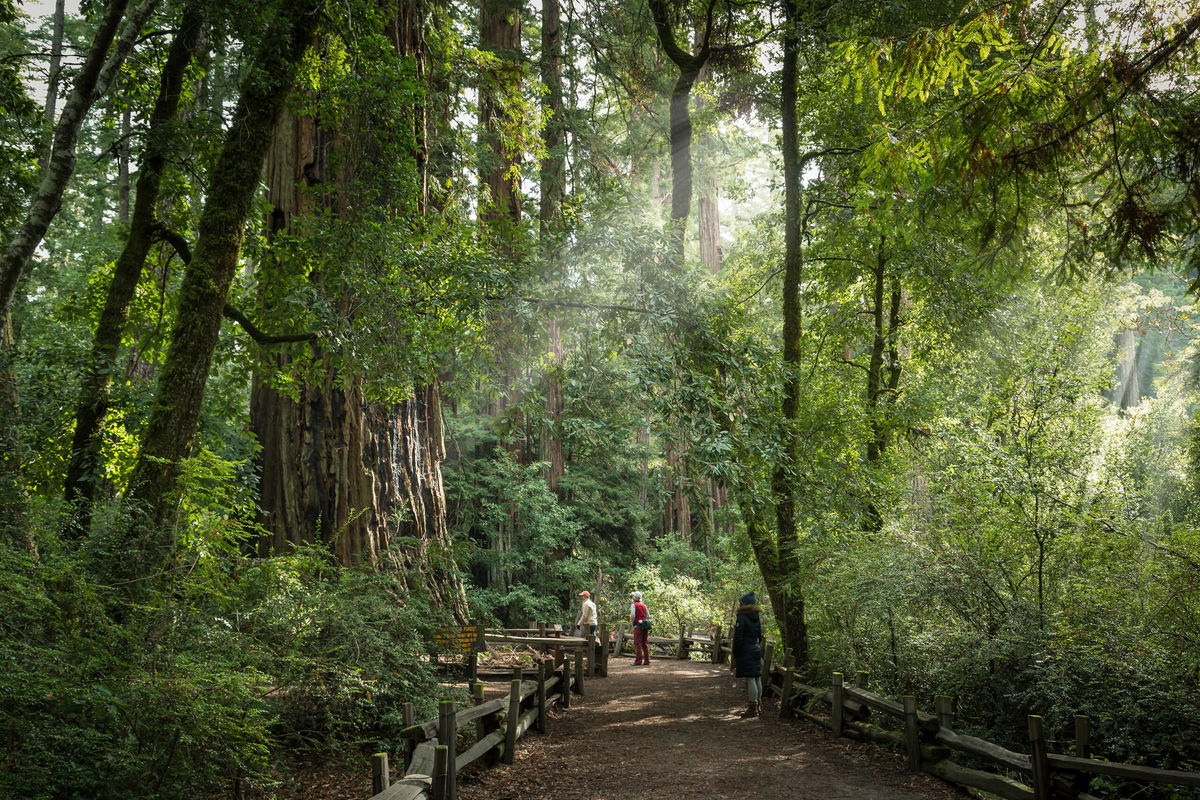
929	741
433	760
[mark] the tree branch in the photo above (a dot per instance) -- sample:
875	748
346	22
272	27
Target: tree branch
181	246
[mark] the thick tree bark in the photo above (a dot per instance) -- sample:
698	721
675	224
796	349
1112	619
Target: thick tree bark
361	476
82	480
169	432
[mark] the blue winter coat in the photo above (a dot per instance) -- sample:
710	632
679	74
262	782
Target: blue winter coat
748	640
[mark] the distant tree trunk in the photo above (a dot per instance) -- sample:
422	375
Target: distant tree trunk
363	477
500	206
169	432
708	214
553	180
885	368
53	75
82	478
123	168
689	66
91	82
1129	391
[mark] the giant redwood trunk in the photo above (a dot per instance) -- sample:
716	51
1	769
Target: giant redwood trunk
362	477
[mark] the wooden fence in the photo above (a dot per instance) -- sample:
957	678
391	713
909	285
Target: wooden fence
716	644
929	741
431	752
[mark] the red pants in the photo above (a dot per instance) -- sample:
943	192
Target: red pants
640	648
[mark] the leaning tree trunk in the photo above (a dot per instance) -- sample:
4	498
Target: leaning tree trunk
82	480
94	76
149	543
363	477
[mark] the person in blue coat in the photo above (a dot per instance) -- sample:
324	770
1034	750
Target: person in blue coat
748	646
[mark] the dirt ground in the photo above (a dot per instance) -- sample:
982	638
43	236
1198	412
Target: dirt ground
672	730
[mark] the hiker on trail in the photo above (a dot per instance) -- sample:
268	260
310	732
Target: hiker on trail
639	617
586	622
748	650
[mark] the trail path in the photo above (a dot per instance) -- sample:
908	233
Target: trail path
671	730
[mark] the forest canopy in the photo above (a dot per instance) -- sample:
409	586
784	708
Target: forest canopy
324	325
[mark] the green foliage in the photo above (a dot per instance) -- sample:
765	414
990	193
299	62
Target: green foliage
194	693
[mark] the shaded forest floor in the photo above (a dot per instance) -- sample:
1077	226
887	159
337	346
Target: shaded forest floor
672	730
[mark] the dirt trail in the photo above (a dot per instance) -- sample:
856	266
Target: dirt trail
671	730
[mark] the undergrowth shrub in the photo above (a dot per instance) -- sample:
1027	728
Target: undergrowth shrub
196	691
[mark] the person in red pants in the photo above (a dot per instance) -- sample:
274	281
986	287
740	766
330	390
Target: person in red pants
639	617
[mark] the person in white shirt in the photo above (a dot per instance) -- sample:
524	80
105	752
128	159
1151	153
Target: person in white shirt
587	620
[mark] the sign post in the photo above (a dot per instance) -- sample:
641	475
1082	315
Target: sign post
464	640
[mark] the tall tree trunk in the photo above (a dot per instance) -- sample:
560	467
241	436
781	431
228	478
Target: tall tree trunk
500	206
884	369
553	180
123	156
791	600
364	477
708	214
169	432
82	480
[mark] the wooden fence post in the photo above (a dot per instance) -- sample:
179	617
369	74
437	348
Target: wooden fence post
1037	759
441	758
1083	736
862	678
514	716
380	777
682	653
785	697
566	681
589	647
768	654
912	734
603	649
839	698
410	745
448	736
542	717
944	707
714	652
579	671
486	724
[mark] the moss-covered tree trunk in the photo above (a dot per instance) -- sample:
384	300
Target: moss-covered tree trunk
167	439
789	604
82	480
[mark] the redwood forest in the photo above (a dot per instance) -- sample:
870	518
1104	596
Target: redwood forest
331	330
